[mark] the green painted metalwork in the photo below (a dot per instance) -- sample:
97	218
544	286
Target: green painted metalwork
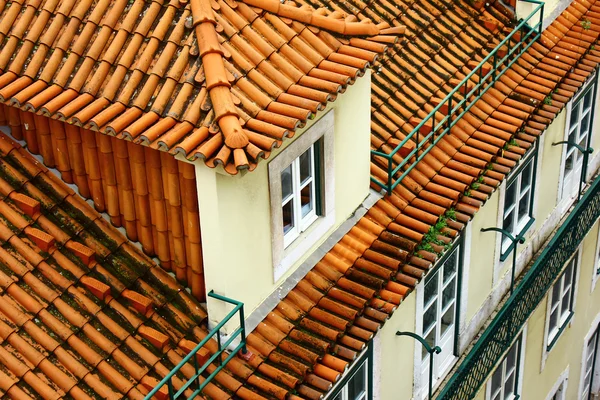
517	42
430	350
505	327
518	239
195	383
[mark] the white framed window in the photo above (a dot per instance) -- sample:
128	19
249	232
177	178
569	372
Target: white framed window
561	392
356	384
300	194
578	130
596	266
517	214
504	383
438	312
561	301
590	382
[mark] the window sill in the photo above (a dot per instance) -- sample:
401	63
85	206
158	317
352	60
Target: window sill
560	331
504	255
305	241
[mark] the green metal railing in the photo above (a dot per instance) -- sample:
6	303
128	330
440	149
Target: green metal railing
516	43
195	383
505	327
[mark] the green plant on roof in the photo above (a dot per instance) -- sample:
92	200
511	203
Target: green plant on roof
468	192
513	142
451	214
475	185
480	179
586	24
548	100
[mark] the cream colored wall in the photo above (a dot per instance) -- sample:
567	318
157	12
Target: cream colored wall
551	9
394	355
235	211
567	351
482	256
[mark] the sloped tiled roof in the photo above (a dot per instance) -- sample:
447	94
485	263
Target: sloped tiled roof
312	336
224	81
83	313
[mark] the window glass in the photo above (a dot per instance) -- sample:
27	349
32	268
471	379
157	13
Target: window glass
298	195
504	383
439	316
357	386
518	200
588	365
561	300
578	131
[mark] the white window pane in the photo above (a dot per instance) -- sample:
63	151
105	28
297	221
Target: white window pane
509	387
447	320
556	293
524	208
511	195
508	224
288	216
497	381
431	288
450	266
306	165
357	386
448	295
306	200
286	183
430	339
429	317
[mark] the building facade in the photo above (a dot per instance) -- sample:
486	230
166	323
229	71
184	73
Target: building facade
403	196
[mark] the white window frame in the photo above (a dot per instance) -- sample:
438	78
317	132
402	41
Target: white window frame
569	183
364	365
284	257
517	370
560	387
594	335
520	226
444	361
565	319
302	223
596	266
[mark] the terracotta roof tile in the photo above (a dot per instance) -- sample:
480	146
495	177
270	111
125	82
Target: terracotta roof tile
352	291
107	327
225	81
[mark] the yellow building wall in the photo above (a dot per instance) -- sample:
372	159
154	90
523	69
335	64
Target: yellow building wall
482	256
568	350
394	357
235	214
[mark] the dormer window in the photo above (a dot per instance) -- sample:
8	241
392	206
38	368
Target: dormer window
299	194
301	185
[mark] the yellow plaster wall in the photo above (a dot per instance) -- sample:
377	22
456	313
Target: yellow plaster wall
540	379
396	357
568	350
482	256
235	214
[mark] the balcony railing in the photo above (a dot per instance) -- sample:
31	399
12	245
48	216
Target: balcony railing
195	384
505	327
449	111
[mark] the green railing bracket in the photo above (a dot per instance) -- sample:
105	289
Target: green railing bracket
474	370
430	350
195	383
516	45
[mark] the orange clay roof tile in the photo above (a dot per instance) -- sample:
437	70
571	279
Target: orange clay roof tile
249	71
110	328
352	291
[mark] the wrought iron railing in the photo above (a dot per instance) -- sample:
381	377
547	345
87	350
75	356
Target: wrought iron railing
195	383
450	110
504	328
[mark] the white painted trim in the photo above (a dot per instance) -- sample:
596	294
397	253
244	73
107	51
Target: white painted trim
596	264
420	387
500	266
577	272
285	258
561	383
520	366
589	334
564	203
